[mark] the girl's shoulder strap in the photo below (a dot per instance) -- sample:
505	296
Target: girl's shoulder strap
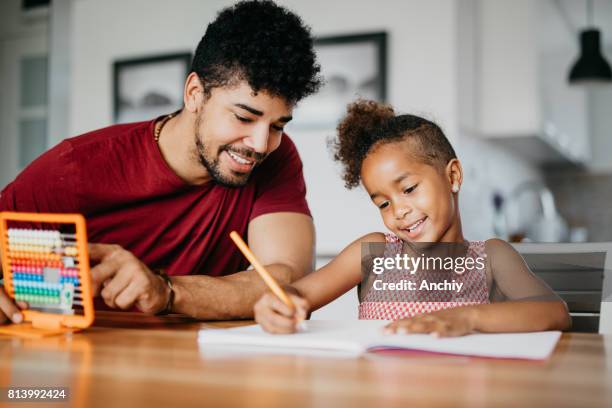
391	238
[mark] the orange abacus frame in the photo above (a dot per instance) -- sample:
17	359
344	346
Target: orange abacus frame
36	323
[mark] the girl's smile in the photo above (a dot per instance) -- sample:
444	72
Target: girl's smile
414	229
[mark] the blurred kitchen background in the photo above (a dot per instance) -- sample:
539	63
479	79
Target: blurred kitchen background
494	74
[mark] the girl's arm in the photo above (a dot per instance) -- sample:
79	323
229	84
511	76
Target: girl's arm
529	304
315	289
337	277
520	316
535	304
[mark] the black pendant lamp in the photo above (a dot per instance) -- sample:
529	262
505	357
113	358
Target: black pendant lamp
591	66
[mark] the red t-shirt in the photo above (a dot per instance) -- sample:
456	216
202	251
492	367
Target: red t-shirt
117	178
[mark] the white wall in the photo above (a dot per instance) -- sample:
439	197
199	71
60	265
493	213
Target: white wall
421	52
104	31
21	35
60	31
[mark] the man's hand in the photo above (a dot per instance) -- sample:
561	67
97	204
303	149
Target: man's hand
123	281
9	311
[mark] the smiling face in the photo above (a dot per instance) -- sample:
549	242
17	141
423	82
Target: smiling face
415	199
236	129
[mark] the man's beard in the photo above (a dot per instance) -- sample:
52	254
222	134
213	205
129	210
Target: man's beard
210	161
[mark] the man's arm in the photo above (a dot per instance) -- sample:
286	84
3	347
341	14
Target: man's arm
283	242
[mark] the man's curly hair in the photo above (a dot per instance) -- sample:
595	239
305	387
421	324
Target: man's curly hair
262	43
369	124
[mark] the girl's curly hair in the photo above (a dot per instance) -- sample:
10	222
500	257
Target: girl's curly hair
262	43
369	124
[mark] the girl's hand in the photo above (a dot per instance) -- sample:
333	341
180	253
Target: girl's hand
276	317
444	323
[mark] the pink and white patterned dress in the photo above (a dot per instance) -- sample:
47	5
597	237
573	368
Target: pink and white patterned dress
383	305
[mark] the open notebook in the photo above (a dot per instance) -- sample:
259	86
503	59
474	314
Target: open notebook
357	337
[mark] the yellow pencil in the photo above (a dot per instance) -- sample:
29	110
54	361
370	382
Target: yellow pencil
265	275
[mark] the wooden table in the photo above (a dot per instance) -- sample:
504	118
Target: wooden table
132	360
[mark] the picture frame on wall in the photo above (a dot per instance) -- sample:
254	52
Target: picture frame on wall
353	66
147	87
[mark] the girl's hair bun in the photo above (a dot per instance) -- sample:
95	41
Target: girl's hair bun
369	123
364	118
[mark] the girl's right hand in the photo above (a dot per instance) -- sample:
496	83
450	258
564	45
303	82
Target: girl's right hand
9	312
276	317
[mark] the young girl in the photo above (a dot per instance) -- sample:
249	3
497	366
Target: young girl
413	177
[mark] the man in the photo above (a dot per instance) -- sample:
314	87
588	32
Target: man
165	194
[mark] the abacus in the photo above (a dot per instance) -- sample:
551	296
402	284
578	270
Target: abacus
48	268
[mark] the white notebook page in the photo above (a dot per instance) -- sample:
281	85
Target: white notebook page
362	335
